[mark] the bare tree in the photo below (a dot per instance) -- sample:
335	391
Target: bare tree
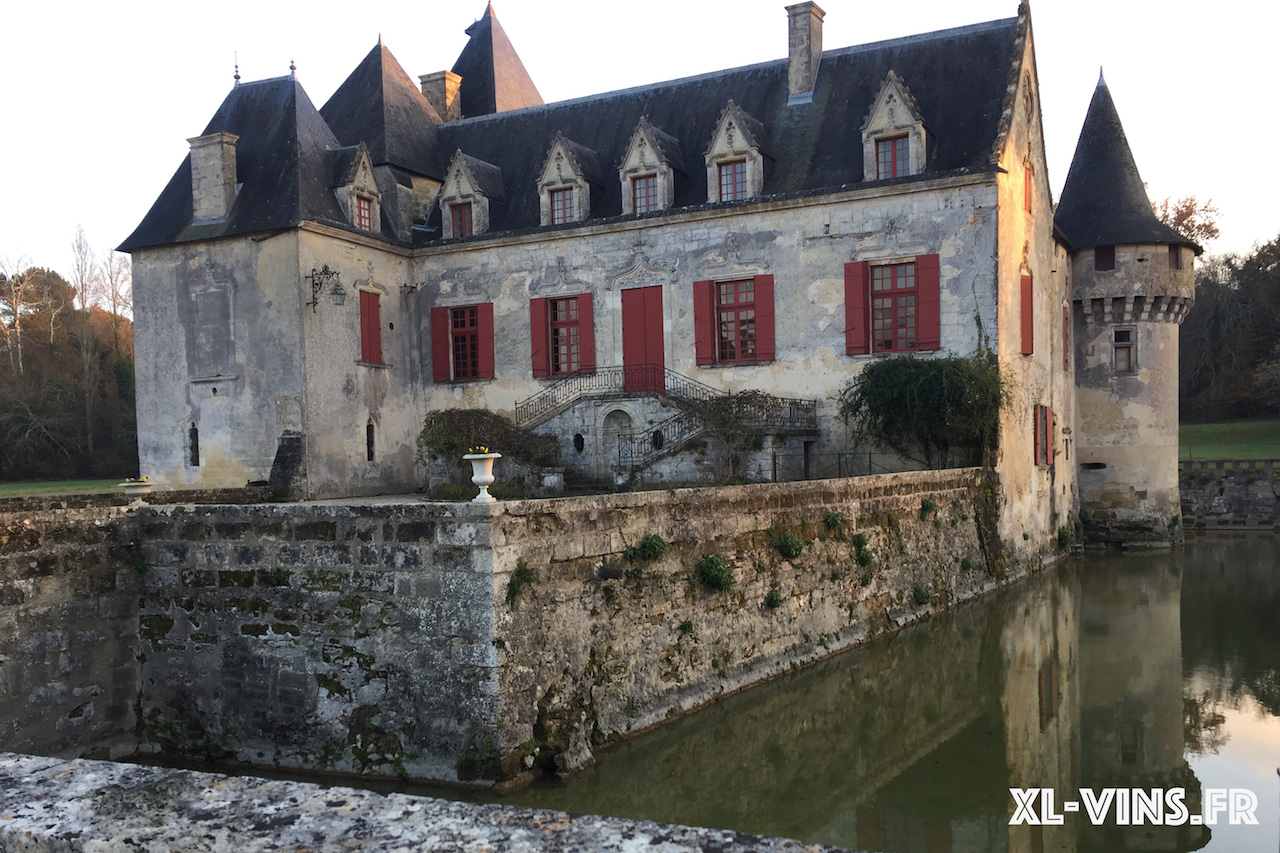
87	281
17	291
117	291
1190	218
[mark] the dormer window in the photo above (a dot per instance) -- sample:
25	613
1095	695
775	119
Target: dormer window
356	188
733	180
648	170
892	157
893	135
364	213
561	206
460	219
564	187
470	191
644	194
735	160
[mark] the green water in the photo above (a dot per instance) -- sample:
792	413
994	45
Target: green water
1124	671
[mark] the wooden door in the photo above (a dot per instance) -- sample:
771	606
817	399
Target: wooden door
643	361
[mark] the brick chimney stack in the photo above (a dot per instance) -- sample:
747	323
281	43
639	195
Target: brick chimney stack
804	50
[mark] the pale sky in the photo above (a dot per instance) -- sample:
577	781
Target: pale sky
98	99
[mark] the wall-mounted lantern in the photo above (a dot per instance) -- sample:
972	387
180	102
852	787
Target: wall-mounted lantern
319	280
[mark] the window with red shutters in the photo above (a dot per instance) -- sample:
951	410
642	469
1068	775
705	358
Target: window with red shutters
893	307
364	213
733	180
562	335
1026	188
892	160
460	219
1042	435
565	347
644	193
1027	303
462	343
561	206
734	321
370	328
894	324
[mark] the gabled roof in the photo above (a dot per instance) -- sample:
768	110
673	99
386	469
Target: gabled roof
494	79
1103	200
283	163
486	177
380	106
958	80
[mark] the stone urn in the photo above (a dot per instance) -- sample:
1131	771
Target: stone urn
136	489
482	474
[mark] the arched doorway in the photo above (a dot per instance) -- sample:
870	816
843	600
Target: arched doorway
615	422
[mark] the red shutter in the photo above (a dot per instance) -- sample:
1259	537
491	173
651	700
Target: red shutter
1028	316
440	341
765	348
484	333
857	341
1035	434
538	330
928	302
704	322
586	335
1066	336
370	328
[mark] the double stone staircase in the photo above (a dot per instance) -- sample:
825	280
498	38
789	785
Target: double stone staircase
640	448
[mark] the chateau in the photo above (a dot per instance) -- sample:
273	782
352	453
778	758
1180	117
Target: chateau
313	282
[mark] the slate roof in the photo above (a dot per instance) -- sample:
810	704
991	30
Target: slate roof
958	78
493	77
1103	200
284	162
380	106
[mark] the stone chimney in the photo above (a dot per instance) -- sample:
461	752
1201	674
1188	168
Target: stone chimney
804	50
213	176
441	91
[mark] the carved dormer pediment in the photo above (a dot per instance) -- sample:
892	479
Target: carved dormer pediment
471	188
356	187
564	186
735	158
893	135
647	171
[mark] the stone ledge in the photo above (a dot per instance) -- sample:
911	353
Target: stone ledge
49	805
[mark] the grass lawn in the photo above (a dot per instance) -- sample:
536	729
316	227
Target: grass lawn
1239	440
58	487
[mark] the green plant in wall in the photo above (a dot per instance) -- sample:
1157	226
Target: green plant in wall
774	599
835	521
789	545
866	557
927	508
715	573
920	593
651	547
522	577
478	761
858	540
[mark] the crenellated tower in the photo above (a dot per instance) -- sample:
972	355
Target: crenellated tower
1134	281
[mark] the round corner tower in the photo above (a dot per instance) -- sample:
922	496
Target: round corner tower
1133	282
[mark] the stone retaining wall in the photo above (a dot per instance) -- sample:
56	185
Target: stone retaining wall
69	673
1230	493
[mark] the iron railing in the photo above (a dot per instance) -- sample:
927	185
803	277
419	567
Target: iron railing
638	449
608	382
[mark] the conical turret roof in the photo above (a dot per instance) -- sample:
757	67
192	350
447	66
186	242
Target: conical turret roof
493	77
1104	201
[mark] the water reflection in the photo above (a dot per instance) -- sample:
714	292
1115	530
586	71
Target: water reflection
1103	673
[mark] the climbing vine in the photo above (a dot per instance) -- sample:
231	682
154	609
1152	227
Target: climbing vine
449	433
934	411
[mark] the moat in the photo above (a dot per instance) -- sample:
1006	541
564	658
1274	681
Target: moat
1142	671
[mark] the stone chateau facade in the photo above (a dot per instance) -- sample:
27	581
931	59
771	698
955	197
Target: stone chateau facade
313	282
